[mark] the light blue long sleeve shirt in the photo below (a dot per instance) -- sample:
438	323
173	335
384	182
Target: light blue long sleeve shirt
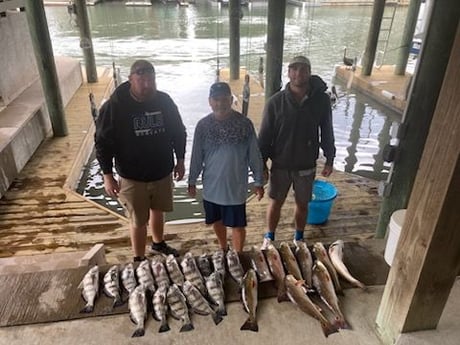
223	150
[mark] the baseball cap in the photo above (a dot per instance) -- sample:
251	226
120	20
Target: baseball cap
300	60
220	89
141	67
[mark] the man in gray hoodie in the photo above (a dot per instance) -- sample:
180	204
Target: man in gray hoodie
296	122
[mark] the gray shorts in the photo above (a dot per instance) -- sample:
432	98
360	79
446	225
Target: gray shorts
301	182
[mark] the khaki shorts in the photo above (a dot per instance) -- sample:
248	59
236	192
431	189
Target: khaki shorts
138	198
301	182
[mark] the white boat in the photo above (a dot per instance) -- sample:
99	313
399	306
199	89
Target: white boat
138	3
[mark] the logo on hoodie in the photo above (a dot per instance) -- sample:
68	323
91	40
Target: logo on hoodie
149	123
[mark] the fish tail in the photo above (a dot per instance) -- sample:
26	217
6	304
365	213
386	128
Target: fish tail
87	309
217	318
164	327
342	324
222	311
329	328
139	332
187	327
250	325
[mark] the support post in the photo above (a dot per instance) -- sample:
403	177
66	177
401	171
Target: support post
86	42
408	34
373	37
420	107
427	257
234	18
43	50
275	42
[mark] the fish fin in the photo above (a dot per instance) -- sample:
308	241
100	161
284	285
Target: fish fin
329	329
87	309
164	328
200	312
217	318
250	325
339	291
282	295
187	327
139	332
155	317
118	302
80	286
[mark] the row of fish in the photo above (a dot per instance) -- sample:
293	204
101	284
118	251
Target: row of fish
174	287
303	280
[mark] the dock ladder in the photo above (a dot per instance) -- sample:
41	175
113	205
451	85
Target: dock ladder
385	30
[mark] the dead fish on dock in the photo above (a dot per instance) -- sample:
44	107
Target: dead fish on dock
90	286
218	261
128	278
249	296
323	284
260	265
290	261
198	303
234	266
216	293
175	274
322	255
336	255
276	267
297	295
144	276
112	285
178	307
192	273
138	310
305	261
160	307
204	265
160	274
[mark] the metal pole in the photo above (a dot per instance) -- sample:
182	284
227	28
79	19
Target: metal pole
86	43
275	42
234	18
43	50
408	34
373	37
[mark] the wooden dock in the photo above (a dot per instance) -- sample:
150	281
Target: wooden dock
41	214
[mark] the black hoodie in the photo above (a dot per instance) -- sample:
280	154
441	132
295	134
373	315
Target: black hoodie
140	136
290	132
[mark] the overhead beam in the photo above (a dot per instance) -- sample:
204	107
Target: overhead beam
427	256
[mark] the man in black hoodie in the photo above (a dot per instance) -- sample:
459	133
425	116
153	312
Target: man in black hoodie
140	128
293	122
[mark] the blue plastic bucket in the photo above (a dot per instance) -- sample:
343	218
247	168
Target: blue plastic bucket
319	208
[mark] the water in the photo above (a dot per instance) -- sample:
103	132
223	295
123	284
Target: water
187	44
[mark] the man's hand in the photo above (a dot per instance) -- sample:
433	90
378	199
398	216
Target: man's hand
327	171
111	186
179	170
191	191
259	192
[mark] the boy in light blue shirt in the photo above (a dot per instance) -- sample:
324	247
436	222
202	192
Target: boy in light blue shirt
224	147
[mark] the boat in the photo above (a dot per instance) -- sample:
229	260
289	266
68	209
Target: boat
138	3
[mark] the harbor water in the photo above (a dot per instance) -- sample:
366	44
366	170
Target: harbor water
188	44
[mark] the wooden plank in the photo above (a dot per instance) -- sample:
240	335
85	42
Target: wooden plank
427	261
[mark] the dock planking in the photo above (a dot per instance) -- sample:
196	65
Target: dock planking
39	214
